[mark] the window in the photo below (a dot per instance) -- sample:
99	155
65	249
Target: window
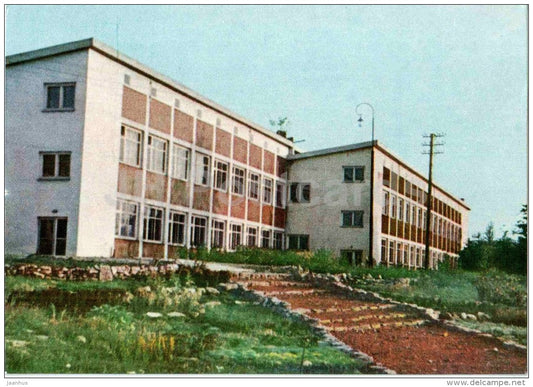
299	242
267	190
393	207
278	240
52	236
300	192
55	165
385	209
383	250
253	186
153	224
265	239
217	233
202	169
156	154
238	181
280	194
176	229
391	252
353	174
235	236
353	257
60	96
352	218
251	236
180	162
407	212
198	231
400	209
126	219
130	146
221	175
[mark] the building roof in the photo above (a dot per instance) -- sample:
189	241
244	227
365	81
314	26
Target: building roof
368	145
117	56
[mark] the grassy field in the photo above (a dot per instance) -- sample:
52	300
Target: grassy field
154	327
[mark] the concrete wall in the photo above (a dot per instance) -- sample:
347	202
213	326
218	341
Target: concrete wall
29	131
321	218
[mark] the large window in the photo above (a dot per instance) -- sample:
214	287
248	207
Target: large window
156	154
52	236
352	218
60	96
238	181
353	174
176	230
253	186
126	219
221	175
153	224
217	233
55	165
198	231
265	238
300	193
235	236
130	146
385	209
180	162
251	236
202	163
280	194
400	209
299	242
278	240
267	191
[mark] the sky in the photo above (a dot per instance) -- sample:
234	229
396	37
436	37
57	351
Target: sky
460	70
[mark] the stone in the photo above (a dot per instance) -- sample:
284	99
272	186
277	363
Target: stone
154	314
81	339
212	304
471	317
105	273
227	287
143	291
483	316
175	314
17	343
446	316
307	363
41	337
212	291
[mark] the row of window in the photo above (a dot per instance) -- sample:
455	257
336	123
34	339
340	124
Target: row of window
395	253
406	211
153	229
242	182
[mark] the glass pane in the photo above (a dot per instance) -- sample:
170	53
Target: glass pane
49	165
348	174
306	192
346	218
304	242
359	174
61	228
61	247
294	193
64	165
52	101
46	236
68	97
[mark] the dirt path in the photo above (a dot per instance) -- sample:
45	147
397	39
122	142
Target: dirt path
399	340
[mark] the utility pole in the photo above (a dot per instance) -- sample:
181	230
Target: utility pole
429	202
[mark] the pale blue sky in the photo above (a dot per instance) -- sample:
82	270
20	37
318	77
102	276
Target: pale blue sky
460	70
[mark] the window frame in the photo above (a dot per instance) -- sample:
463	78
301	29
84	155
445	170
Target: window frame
267	190
299	242
277	240
281	195
125	141
172	223
222	174
235	178
193	231
299	192
152	151
205	169
232	230
354	169
147	218
218	230
252	182
353	218
179	160
254	235
119	212
57	165
61	98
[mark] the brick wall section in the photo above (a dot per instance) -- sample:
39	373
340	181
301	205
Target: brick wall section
279	218
267	214
156	186
281	166
253	210
220	202
240	150
223	143
153	250
201	197
268	164
204	135
160	116
125	248
183	126
129	180
179	192
256	156
238	206
134	105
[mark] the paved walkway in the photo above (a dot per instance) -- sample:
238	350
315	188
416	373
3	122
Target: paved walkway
402	341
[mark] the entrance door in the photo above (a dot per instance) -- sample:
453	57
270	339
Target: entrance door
52	236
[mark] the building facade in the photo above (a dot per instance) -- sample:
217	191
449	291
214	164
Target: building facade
329	204
106	157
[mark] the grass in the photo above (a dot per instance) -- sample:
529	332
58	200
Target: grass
234	336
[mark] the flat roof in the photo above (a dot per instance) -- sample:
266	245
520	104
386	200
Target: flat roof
368	145
123	59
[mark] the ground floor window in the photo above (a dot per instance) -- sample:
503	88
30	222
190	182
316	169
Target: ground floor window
353	257
278	240
265	239
176	229
383	250
198	231
251	238
153	224
235	236
298	242
217	233
126	219
52	236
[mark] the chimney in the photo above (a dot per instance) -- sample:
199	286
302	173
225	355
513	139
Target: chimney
282	133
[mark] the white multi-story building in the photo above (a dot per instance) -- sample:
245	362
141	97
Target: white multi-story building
106	157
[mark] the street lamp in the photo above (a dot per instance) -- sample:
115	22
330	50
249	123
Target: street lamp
360	122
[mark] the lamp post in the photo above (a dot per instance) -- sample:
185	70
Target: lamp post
371	243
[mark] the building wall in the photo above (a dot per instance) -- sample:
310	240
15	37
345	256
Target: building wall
321	218
29	131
